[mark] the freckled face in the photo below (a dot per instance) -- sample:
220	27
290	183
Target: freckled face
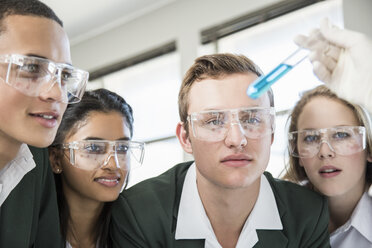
22	118
103	184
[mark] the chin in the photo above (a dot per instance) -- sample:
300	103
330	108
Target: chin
40	143
109	198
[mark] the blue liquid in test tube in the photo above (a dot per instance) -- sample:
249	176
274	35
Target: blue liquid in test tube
263	83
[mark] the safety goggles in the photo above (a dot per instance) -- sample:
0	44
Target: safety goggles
214	125
94	154
33	76
345	140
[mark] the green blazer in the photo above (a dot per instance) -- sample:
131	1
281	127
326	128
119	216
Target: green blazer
29	216
145	215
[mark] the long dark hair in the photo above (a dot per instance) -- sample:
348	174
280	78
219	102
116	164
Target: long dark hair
100	100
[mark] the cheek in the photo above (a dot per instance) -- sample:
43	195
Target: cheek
358	161
307	163
75	176
262	146
11	104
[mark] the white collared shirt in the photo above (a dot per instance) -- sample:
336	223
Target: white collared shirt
357	231
14	171
193	223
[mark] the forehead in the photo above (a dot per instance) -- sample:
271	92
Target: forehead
34	35
316	115
109	126
228	92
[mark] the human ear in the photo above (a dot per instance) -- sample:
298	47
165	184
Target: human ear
183	137
55	160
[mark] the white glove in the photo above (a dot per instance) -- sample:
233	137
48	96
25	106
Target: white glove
343	60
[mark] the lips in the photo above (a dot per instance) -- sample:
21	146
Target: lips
329	171
109	181
46	115
46	119
237	160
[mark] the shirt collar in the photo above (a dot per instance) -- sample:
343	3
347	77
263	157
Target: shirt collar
14	171
193	223
361	218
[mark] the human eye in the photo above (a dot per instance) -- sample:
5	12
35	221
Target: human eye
251	118
122	148
66	74
310	137
31	67
214	122
94	148
31	70
341	134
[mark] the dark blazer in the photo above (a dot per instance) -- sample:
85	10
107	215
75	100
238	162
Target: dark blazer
29	216
145	215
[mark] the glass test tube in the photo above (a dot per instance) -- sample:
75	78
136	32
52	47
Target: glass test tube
263	83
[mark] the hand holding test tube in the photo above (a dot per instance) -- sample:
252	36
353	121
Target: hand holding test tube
263	83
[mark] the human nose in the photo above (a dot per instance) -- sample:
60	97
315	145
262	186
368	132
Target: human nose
325	150
111	162
52	90
235	136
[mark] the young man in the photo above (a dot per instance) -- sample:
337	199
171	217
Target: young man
36	83
224	198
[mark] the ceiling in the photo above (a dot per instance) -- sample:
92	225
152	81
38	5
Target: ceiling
84	19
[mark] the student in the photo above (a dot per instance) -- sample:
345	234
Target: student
342	59
36	83
91	161
224	198
331	153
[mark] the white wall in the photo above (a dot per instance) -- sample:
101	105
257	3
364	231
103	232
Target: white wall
357	15
182	21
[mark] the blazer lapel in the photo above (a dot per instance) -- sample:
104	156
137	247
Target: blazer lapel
271	238
17	214
189	243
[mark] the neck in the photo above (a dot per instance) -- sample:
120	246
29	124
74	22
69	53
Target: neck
341	208
227	209
83	220
9	148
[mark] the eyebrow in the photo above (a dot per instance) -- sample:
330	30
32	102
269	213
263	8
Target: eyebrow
42	57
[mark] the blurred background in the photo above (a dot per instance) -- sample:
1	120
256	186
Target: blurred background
141	48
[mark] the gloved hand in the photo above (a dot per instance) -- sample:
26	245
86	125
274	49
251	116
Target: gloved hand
343	60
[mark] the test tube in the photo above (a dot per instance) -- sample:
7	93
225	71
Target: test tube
263	83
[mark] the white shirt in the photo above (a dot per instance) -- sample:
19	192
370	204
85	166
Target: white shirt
193	223
14	171
357	231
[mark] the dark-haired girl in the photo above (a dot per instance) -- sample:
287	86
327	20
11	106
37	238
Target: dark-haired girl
91	158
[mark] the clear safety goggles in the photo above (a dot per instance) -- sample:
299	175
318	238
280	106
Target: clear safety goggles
345	140
94	154
33	76
214	125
